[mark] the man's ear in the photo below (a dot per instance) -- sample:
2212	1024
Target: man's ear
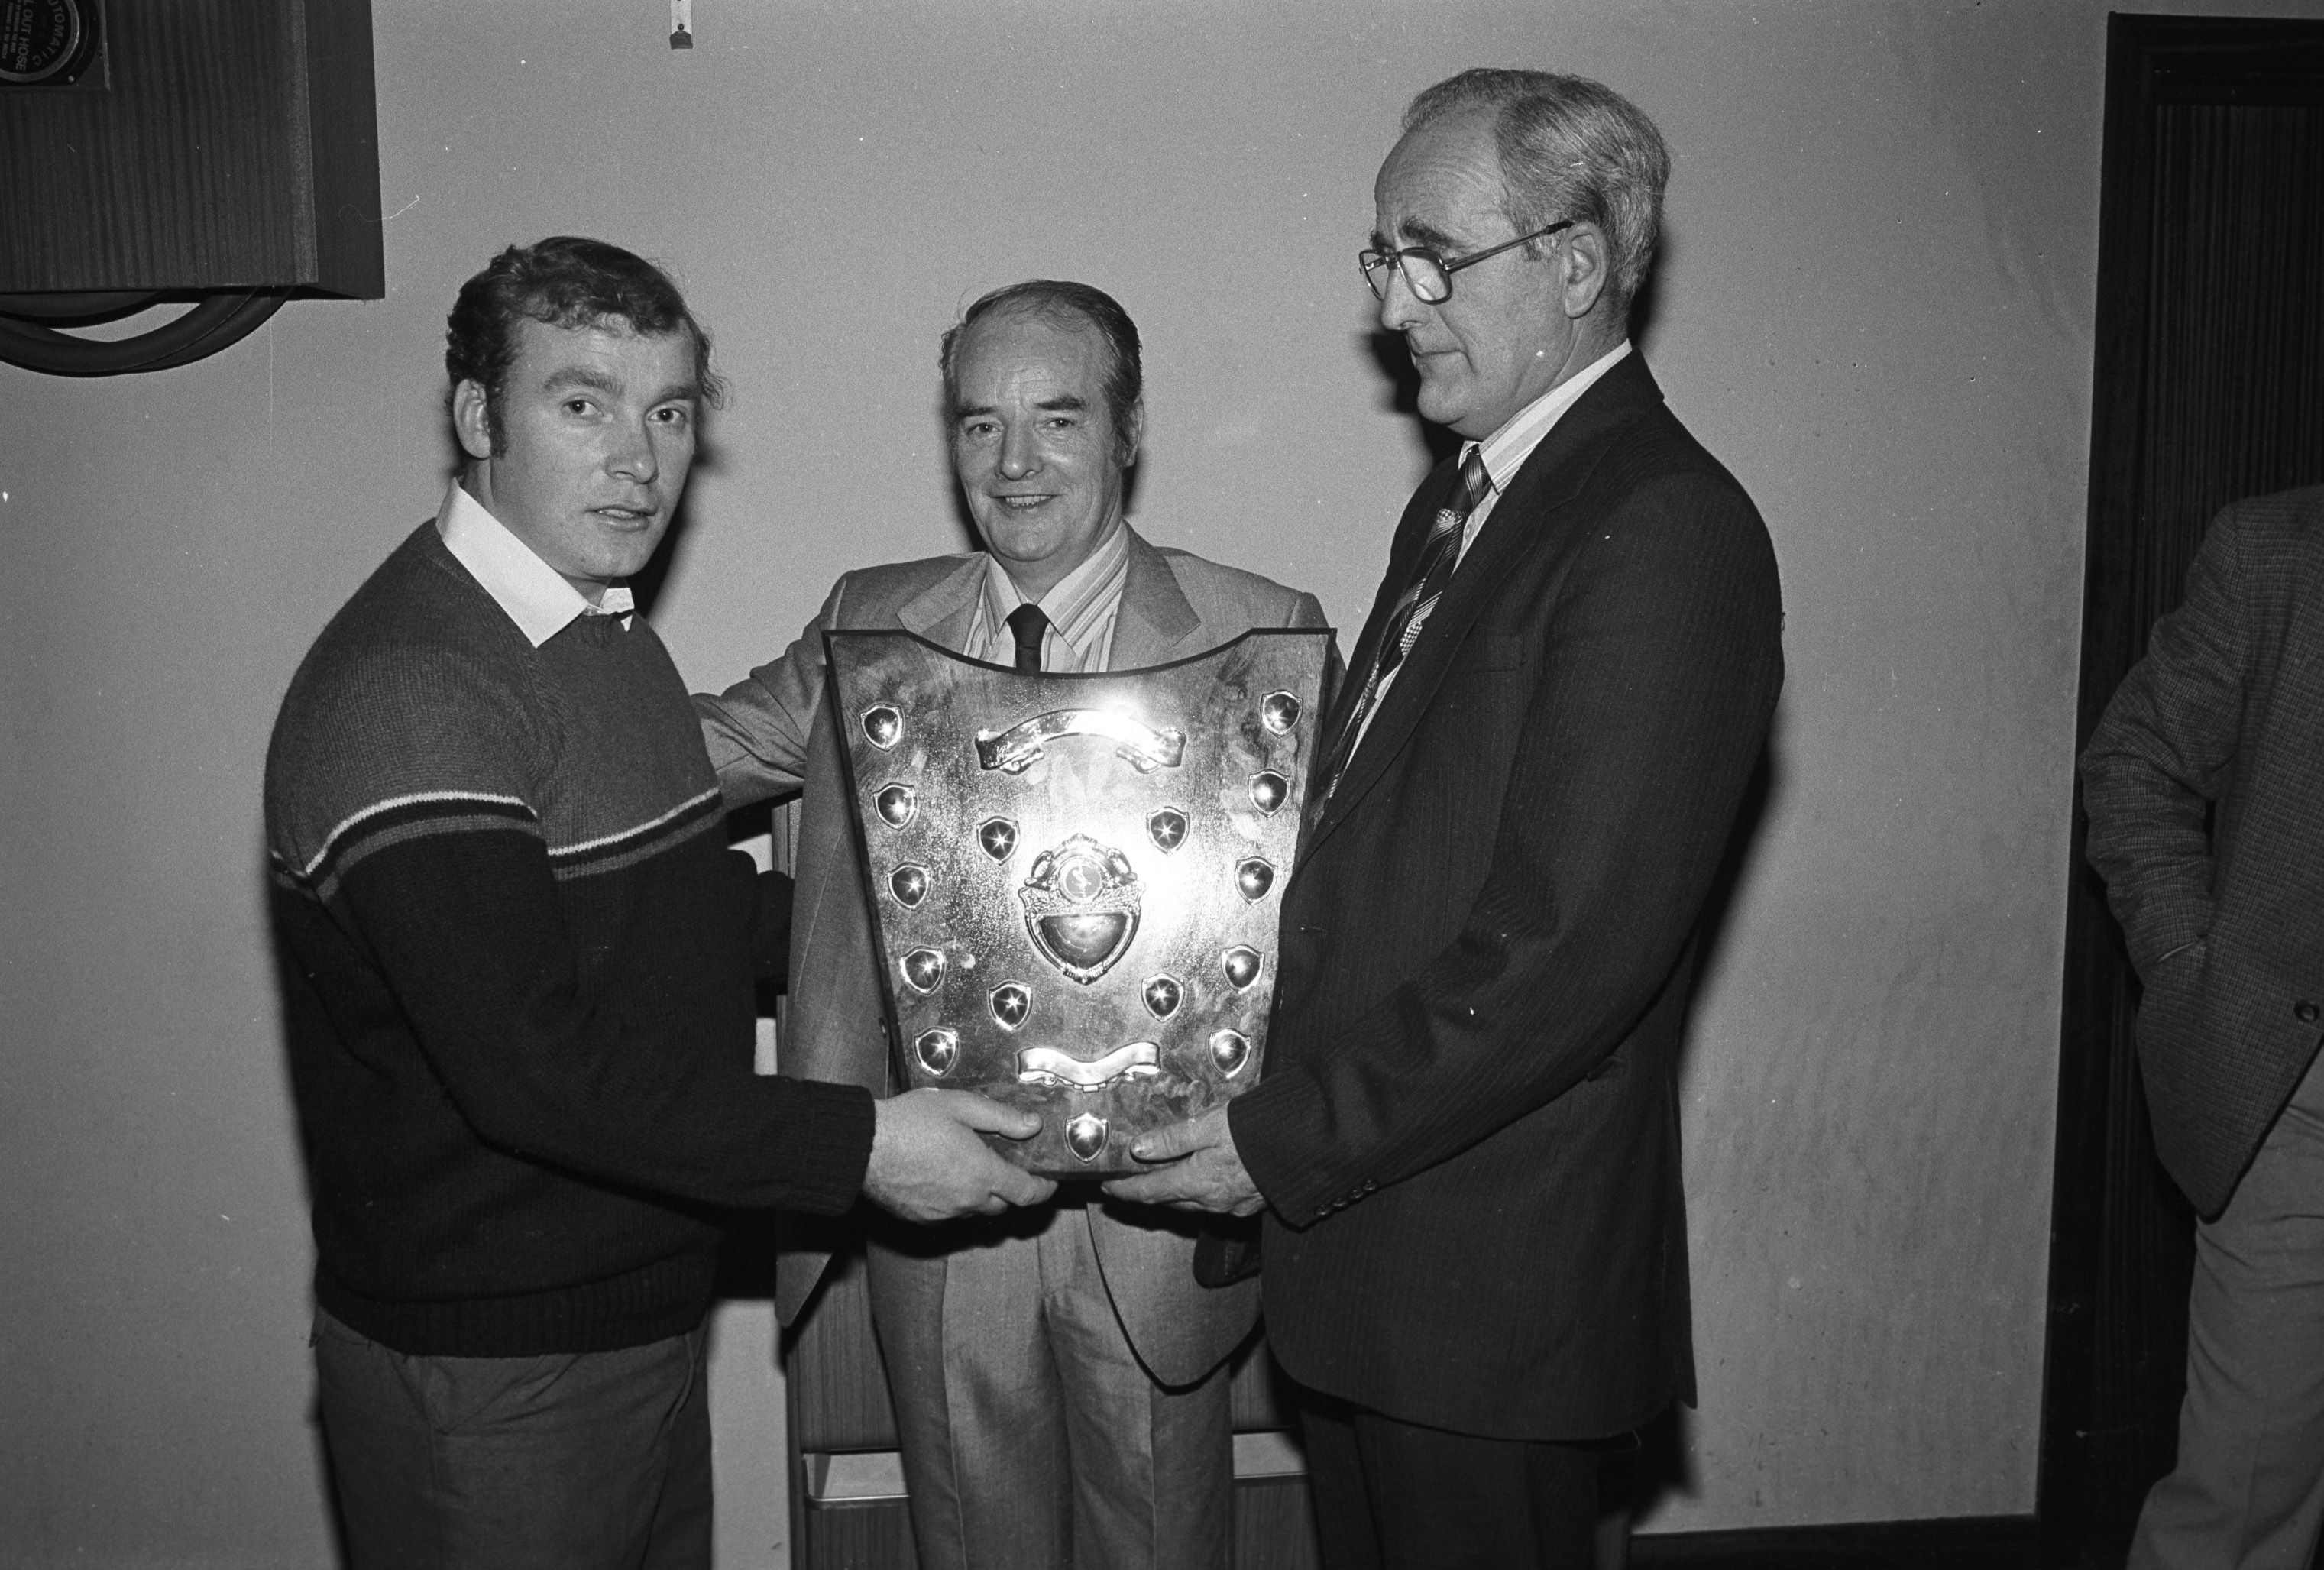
1583	275
1132	433
472	419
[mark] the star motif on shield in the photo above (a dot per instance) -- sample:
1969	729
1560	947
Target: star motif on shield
1167	828
938	1049
1241	965
883	726
897	804
1082	901
1278	712
924	969
1085	1136
1268	789
1254	877
1163	994
998	836
1010	1002
910	884
1229	1050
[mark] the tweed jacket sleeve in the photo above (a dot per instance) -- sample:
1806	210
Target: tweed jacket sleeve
757	730
2161	755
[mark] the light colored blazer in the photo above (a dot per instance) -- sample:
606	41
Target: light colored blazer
771	732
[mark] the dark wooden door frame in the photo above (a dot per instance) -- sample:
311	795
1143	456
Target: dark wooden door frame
2120	1249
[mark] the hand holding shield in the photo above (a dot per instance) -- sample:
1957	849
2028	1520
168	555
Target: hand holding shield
928	1163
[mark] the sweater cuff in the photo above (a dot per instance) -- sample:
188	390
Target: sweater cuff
833	1142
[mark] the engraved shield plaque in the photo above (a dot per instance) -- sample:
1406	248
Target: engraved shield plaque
1075	879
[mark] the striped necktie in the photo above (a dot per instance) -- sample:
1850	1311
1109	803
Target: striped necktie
1439	554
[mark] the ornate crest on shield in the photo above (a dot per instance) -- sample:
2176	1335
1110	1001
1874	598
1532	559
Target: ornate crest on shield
1081	906
1074	881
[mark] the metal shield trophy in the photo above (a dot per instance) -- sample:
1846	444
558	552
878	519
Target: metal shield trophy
1075	879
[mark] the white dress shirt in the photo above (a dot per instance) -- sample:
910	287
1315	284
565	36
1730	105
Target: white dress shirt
1081	607
536	598
1505	451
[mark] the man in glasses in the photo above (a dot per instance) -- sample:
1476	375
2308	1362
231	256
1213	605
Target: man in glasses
1056	1377
1466	1140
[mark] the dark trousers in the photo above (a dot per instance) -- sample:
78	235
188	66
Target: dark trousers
586	1461
1395	1496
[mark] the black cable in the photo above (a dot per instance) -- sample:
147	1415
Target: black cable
218	322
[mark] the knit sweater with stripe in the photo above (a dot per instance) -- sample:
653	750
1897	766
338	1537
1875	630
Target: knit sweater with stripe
517	965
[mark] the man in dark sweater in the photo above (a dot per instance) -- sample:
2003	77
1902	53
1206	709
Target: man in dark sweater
518	963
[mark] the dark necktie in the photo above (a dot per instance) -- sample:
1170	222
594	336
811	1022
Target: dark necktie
1440	553
1031	625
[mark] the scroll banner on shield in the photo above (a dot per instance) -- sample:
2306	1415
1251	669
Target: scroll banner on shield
1074	881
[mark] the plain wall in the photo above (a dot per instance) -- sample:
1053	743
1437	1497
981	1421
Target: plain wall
1875	306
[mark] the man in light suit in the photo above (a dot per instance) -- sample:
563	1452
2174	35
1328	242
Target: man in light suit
2207	818
1466	1140
1057	1381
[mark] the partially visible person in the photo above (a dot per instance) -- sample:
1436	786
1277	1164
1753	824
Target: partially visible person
1056	1374
2207	819
517	963
1466	1138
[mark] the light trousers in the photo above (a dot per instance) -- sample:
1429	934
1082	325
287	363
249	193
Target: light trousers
1033	1438
2247	1493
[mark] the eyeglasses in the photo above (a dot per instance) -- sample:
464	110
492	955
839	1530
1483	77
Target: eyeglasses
1428	275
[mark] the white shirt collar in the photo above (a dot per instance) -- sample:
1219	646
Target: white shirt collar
534	593
1506	449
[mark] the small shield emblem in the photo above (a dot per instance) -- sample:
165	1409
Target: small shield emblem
1085	1136
897	804
1163	995
1167	828
924	968
1278	712
1229	1050
883	726
939	1049
1242	966
1254	878
910	884
998	836
1012	1002
1082	903
1268	789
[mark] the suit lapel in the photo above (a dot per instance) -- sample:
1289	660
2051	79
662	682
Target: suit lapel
944	612
1525	519
1411	531
1155	616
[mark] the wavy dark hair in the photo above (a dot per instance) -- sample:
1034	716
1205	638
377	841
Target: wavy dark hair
565	281
1076	305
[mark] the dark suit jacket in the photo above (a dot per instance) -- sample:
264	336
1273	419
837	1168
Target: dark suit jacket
768	731
1468	1130
2205	785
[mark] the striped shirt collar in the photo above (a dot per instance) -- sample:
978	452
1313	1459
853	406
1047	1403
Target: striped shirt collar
535	595
1506	449
1081	606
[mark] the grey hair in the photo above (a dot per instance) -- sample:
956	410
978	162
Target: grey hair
1569	148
